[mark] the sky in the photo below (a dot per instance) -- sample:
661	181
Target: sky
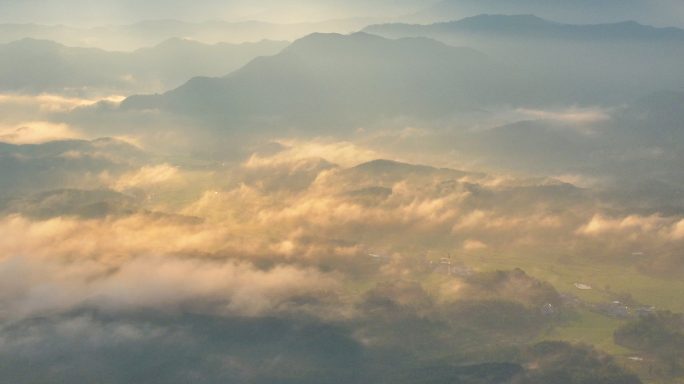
84	12
100	12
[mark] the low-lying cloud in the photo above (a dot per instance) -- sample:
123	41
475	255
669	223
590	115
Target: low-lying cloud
36	132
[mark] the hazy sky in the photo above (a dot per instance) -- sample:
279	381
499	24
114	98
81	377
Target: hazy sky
98	12
90	12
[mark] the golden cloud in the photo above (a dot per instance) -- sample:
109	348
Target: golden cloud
36	132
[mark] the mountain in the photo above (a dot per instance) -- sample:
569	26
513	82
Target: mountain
531	26
152	32
606	63
636	143
36	66
324	80
395	171
63	164
565	11
656	120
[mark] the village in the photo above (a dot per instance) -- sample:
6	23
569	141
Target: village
614	309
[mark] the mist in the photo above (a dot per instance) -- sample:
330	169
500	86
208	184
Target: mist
341	192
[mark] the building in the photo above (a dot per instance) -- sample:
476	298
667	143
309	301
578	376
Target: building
616	311
644	311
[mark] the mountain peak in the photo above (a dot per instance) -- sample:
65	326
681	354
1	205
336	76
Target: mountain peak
501	18
344	78
384	165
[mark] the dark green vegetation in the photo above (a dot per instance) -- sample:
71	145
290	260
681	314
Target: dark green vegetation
567	364
659	337
397	335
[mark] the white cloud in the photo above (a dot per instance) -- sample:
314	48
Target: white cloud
343	153
38	286
36	132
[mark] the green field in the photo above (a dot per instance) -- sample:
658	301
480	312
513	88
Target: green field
563	272
590	328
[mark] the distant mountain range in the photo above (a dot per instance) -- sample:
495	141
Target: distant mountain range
565	11
330	84
152	32
35	66
325	80
619	59
636	142
531	26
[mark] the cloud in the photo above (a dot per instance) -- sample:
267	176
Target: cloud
46	102
572	115
107	240
470	245
292	206
677	231
633	223
143	261
583	181
146	177
36	132
342	153
211	250
31	119
583	120
330	206
40	286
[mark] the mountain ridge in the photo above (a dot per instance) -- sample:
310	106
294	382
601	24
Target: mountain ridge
333	77
35	66
529	25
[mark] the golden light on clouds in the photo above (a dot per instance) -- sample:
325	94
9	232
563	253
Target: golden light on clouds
36	132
